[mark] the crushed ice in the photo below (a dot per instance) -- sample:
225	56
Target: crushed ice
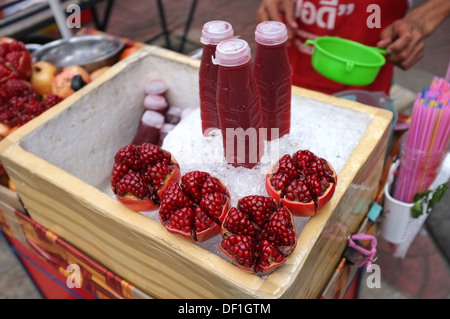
328	131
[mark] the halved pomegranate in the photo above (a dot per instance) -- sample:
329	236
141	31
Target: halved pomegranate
303	182
141	174
15	60
195	207
258	235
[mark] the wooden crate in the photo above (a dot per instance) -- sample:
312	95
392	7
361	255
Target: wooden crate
60	164
9	204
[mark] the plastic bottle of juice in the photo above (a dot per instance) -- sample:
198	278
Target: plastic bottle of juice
149	127
273	73
238	104
213	33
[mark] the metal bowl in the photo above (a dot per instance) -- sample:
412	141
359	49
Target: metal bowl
89	51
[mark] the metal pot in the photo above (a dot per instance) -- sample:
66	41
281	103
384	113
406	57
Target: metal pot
89	51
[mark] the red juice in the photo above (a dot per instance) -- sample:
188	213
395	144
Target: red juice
149	128
238	104
213	33
273	73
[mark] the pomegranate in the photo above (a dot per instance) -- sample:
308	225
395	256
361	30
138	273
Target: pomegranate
6	40
95	74
4	130
42	76
195	207
19	102
258	235
62	82
51	100
303	182
130	49
141	174
15	60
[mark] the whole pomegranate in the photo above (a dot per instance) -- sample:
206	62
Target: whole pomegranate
42	76
303	182
195	207
62	82
15	60
141	174
258	235
95	74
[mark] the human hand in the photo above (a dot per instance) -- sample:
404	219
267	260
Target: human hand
273	9
404	42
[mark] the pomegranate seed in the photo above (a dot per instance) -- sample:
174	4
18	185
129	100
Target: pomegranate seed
205	196
257	228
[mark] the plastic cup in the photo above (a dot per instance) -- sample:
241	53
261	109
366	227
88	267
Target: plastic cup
397	225
149	128
417	171
173	114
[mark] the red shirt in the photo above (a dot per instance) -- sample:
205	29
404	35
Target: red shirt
357	20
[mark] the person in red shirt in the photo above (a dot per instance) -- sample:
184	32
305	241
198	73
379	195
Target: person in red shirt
387	24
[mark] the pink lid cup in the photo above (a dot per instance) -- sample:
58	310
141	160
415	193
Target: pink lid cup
232	52
148	130
271	33
215	31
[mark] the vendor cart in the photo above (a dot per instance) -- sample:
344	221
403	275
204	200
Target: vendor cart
60	164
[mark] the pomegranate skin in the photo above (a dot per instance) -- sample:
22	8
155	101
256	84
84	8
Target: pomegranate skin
61	83
258	235
137	205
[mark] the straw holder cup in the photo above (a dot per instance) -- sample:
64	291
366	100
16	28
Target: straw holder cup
345	61
397	224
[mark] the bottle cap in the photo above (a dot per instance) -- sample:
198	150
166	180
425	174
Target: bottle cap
155	102
153	118
215	31
232	52
156	86
271	33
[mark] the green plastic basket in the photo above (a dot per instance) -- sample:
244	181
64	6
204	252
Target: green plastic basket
345	61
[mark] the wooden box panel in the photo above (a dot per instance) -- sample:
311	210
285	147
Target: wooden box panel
60	164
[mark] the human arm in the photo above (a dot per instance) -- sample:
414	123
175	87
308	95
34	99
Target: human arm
404	39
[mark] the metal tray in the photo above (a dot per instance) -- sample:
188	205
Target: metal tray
88	51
